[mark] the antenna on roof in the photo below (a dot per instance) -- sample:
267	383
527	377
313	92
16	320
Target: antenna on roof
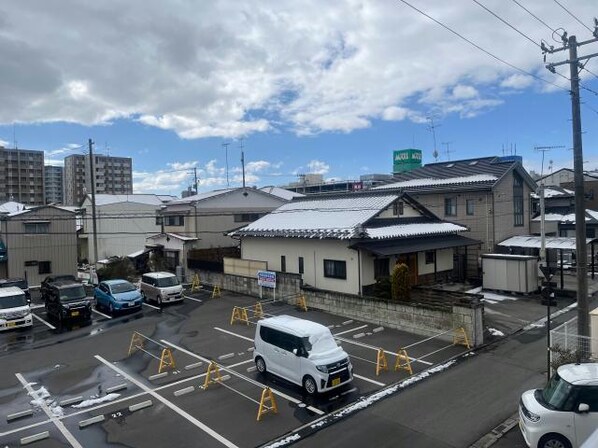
14	135
243	162
448	150
432	128
544	150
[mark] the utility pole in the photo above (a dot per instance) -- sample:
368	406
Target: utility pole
195	179
570	43
242	162
93	203
225	146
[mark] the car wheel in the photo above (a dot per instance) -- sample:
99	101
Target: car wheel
143	298
310	386
554	441
260	365
159	300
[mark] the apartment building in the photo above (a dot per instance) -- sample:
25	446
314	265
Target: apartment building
53	182
22	176
112	175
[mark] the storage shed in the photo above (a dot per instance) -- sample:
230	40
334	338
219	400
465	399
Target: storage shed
514	273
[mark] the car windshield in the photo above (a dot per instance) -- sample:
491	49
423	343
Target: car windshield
557	393
320	343
72	293
18	283
13	301
167	281
122	287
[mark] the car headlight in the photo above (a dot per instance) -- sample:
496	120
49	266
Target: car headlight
322	369
535	418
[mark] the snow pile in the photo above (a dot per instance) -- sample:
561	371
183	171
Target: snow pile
285	441
492	298
495	332
41	397
93	401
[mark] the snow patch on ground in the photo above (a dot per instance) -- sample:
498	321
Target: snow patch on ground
94	401
495	332
490	297
285	441
474	290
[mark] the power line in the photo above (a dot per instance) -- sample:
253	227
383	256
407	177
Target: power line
507	23
534	16
574	16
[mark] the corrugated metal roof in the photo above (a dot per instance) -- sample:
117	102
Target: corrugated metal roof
149	199
413	230
432	182
534	242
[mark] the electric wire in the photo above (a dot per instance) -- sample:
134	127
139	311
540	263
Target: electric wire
574	16
534	16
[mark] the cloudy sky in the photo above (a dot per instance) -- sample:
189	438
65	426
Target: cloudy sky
303	86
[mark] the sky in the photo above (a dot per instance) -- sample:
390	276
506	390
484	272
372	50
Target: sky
301	87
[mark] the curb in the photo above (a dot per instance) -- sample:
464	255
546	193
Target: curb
492	437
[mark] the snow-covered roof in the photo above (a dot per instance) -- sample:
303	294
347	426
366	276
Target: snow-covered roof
149	199
173	235
282	192
412	230
532	241
339	217
569	218
554	192
12	207
432	182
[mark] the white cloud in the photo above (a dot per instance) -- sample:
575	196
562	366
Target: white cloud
227	69
318	167
4	143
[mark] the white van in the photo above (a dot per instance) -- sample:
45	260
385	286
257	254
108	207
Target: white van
14	309
161	287
565	413
302	352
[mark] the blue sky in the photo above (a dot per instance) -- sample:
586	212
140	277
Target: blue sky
332	88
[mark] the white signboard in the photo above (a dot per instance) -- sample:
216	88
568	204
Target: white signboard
267	279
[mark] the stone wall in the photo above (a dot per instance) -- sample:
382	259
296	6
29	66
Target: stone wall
413	318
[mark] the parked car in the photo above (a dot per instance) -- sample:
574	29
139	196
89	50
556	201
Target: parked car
564	413
302	352
67	300
117	295
51	279
161	287
19	283
14	309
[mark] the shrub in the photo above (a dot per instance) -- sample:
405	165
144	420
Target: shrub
399	283
562	356
121	268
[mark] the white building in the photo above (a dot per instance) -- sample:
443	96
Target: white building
345	242
123	223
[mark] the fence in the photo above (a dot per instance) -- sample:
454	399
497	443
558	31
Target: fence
566	344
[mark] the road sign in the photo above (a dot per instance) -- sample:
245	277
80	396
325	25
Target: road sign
267	279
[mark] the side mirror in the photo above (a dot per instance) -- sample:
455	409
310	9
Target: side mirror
583	408
295	352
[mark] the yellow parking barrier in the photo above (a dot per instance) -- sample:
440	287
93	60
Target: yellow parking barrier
136	343
216	292
301	303
460	337
212	375
195	283
381	363
239	314
166	358
258	311
267	404
403	362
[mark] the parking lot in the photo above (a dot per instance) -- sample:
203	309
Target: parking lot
78	386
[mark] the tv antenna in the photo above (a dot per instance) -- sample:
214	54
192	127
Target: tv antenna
448	149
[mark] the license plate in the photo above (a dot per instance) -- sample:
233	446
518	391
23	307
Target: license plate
74	313
10	324
336	381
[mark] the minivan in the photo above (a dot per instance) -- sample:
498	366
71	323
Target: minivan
161	287
67	300
19	283
564	414
302	352
14	309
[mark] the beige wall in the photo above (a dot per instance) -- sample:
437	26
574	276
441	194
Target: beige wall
59	246
444	262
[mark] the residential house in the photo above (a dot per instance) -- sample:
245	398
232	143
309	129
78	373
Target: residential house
345	242
565	178
488	195
38	241
123	222
202	221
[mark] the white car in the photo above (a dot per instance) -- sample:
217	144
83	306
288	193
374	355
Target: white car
302	352
14	309
565	413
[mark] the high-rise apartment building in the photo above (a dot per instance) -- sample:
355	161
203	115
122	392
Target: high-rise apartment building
22	176
53	184
113	175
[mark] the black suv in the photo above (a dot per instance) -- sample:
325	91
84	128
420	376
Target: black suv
67	300
18	282
51	279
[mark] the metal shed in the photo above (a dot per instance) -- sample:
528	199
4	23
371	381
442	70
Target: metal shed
514	273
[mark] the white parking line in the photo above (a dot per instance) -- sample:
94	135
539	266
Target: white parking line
377	383
42	403
37	306
275	391
168	403
52	327
234	334
152	306
100	313
193	298
351	331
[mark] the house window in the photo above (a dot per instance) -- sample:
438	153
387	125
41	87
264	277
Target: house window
44	267
301	266
517	200
450	206
335	269
283	263
246	217
398	208
590	232
159	220
470	206
430	257
37	227
174	220
381	268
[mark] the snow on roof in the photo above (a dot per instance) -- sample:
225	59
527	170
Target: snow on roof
568	218
552	242
338	217
173	235
553	192
431	182
12	207
149	199
411	230
281	192
550	217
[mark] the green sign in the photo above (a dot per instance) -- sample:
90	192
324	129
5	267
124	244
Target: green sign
406	160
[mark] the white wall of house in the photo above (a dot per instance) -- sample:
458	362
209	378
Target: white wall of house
444	262
314	252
